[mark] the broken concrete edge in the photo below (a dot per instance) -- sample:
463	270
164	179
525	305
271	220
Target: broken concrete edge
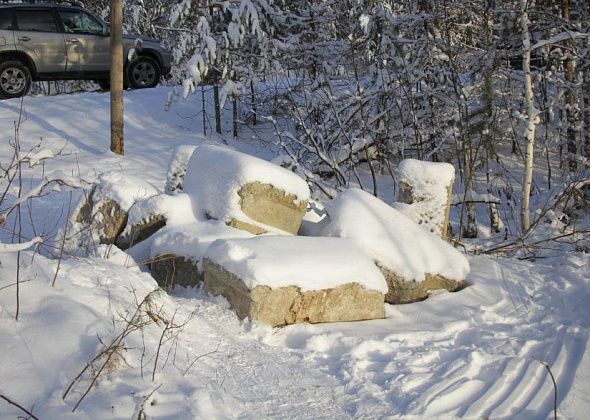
447	213
140	231
408	291
113	225
171	270
406	196
104	218
255	228
289	305
177	168
404	193
174	182
248	227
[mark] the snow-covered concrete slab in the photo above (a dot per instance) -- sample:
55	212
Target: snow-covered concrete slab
244	191
176	251
413	260
101	213
148	215
285	280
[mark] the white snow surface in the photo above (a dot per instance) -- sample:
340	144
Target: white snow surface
391	238
427	174
177	167
123	188
215	174
177	209
473	354
192	240
305	262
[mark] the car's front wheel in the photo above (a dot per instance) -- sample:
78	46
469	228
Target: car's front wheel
15	79
143	72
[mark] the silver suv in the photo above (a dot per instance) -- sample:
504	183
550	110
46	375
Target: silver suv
66	42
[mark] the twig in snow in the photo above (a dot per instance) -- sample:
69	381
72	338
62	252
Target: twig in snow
554	387
141	414
136	322
63	242
14	284
20	407
168	326
199	357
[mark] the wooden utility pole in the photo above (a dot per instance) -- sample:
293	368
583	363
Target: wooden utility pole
117	77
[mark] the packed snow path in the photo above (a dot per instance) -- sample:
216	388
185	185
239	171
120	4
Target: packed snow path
474	353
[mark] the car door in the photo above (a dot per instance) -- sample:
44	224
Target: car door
87	42
37	35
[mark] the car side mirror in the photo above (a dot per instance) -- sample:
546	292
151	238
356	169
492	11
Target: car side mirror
106	30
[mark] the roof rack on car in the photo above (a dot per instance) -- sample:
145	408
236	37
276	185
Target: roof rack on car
66	2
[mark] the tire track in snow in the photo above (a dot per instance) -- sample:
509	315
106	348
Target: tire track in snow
478	360
521	385
521	392
462	390
525	385
563	366
496	391
513	290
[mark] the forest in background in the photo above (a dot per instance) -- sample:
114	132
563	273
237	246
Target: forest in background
352	87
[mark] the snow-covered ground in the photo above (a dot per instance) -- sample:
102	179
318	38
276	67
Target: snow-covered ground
475	353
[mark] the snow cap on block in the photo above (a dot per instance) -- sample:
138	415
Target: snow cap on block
176	209
123	188
215	174
192	240
427	175
392	239
304	262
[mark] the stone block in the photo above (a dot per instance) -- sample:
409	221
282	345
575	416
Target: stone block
426	189
171	270
140	231
289	305
408	291
270	206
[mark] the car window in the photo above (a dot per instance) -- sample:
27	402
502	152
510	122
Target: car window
35	20
5	19
80	22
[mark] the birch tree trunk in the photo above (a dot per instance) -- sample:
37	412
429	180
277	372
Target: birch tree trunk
586	88
117	77
586	93
571	108
531	118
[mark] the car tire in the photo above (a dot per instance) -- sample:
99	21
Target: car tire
143	72
15	79
104	84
